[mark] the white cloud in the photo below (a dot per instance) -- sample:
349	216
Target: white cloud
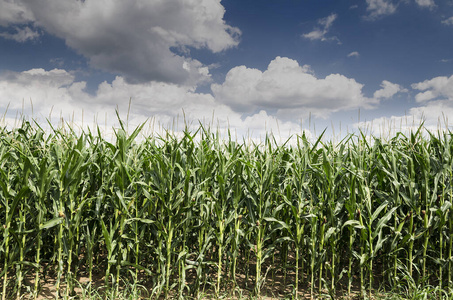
57	61
287	87
354	54
388	90
378	8
56	94
448	21
21	35
426	3
433	116
438	87
436	104
133	38
320	33
14	12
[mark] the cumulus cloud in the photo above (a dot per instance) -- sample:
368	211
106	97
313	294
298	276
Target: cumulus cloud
21	35
287	86
354	54
388	90
320	33
433	116
448	21
435	104
438	87
378	8
55	93
434	113
14	12
426	3
136	38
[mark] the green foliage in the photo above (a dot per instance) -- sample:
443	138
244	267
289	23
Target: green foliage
192	215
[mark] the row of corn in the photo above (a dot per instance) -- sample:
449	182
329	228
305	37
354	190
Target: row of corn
199	212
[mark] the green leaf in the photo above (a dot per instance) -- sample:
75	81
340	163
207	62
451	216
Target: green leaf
378	211
330	232
52	223
274	220
353	223
145	221
383	221
106	234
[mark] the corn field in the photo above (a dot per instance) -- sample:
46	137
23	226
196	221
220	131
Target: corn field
183	217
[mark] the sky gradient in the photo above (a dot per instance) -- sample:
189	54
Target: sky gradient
252	66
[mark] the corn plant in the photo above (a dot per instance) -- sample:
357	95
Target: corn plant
295	195
260	172
189	214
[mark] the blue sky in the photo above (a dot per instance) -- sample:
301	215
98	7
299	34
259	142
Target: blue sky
253	66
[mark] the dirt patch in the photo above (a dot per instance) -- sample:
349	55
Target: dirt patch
278	284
